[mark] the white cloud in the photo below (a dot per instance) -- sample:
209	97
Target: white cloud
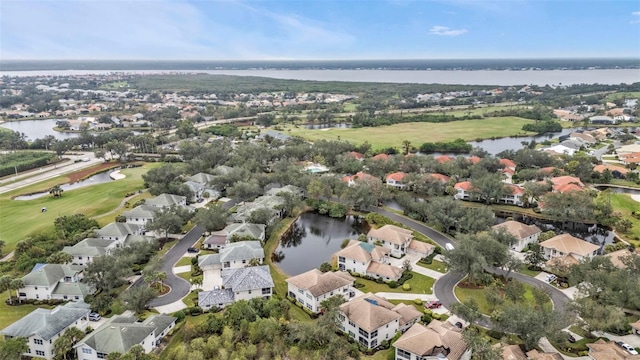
446	31
636	13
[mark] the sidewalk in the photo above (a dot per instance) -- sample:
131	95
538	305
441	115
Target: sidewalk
406	296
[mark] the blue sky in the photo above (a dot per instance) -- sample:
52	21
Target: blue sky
305	29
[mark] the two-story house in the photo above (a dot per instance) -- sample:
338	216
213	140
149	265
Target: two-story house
392	237
220	239
437	340
234	255
42	327
371	319
121	333
566	245
367	259
239	284
313	287
54	281
86	250
118	231
513	195
524	234
463	190
359	177
397	180
167	200
140	215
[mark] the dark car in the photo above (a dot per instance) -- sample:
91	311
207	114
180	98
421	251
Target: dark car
432	304
571	339
193	250
458	325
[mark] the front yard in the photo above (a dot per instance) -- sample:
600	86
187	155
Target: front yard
435	265
479	294
420	284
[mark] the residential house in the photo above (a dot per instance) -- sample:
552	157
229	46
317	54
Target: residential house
54	281
565	245
463	190
275	189
444	159
437	340
166	200
352	180
508	170
140	215
196	189
630	158
313	287
367	259
203	179
636	327
397	180
392	237
524	234
233	256
220	239
381	157
560	149
609	350
86	250
239	284
356	155
617	171
617	257
537	355
371	319
474	159
271	203
563	184
120	333
513	195
118	231
437	177
584	137
42	327
602	120
512	352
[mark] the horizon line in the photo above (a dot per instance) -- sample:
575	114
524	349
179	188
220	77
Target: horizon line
362	59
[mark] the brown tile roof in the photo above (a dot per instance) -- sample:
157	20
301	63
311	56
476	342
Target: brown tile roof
518	229
421	247
443	159
617	256
381	157
397	176
512	352
439	177
562	262
432	340
359	251
384	270
537	355
570	245
508	163
464	185
319	283
408	312
355	155
367	315
601	350
360	176
566	183
392	234
612	168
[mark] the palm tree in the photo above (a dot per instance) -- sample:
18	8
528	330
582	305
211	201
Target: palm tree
56	191
406	146
16	284
197	281
64	344
161	276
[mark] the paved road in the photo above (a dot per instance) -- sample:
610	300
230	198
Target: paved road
443	287
179	287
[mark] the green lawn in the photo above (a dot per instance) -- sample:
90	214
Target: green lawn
435	265
11	314
185	275
416	133
525	270
466	294
20	218
106	219
183	261
420	284
624	95
380	355
624	204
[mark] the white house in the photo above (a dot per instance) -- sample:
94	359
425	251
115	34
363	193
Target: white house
140	215
367	259
86	250
118	231
239	284
514	195
313	287
524	234
371	319
437	340
233	256
54	281
42	327
220	239
392	237
121	333
567	245
397	180
463	190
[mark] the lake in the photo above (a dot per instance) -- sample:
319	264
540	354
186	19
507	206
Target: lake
38	129
100	178
462	77
313	239
515	143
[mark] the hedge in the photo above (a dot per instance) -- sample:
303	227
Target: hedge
23	161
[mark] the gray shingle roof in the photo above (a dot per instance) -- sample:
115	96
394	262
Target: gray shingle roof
209	260
249	278
116	337
163	200
194	186
242	250
215	297
89	247
201	178
132	239
160	322
117	229
73	289
46	323
50	274
246	229
141	211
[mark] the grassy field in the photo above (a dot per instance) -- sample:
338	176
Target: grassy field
20	218
418	133
624	95
624	204
108	218
11	314
183	261
435	265
420	284
466	294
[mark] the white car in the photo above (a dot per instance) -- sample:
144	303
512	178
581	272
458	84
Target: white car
627	347
551	278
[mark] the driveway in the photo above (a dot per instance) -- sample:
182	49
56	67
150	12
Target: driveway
210	279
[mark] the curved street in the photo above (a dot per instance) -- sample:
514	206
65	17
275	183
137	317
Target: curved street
443	287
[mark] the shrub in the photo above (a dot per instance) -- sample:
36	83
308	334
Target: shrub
426	318
179	315
344	244
406	287
417	301
392	284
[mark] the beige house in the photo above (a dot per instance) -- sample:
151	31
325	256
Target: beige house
393	238
537	355
314	287
367	259
525	234
567	245
512	352
437	340
371	319
608	350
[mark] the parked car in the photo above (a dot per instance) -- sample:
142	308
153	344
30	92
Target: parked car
458	324
627	347
449	246
571	339
551	278
432	304
193	250
94	316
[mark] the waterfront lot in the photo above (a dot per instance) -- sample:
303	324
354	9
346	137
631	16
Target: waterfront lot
419	132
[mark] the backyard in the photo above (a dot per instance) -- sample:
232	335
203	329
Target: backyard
420	284
624	204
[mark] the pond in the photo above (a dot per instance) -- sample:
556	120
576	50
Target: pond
103	177
313	239
38	129
515	143
619	190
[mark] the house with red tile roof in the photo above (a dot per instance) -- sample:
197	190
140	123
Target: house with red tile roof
438	177
397	180
515	197
444	159
381	157
352	180
474	159
356	155
564	184
616	170
508	163
463	190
